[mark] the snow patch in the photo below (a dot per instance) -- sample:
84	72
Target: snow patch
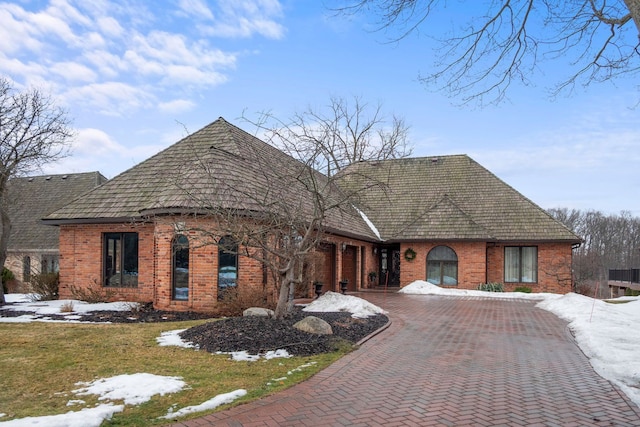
213	403
333	301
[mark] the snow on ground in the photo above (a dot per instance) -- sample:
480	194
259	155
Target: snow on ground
68	308
132	389
173	338
605	332
333	301
220	399
420	287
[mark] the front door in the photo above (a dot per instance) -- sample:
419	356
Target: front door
390	266
349	267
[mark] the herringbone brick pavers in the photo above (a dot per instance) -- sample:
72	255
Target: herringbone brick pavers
449	362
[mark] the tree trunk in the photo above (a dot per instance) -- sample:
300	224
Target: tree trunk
634	9
288	279
5	229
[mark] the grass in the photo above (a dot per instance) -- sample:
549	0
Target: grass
42	362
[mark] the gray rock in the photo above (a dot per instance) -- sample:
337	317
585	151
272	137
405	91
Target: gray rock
314	325
258	311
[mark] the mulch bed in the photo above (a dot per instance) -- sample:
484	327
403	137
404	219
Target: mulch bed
253	334
258	335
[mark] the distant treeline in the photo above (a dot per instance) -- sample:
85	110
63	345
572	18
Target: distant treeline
609	241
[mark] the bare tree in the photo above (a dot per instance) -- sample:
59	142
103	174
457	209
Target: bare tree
33	132
275	206
502	41
344	132
609	242
270	208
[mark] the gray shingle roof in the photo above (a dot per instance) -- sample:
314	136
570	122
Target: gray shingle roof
443	198
217	166
32	198
449	198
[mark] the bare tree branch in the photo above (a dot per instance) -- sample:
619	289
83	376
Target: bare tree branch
33	132
508	41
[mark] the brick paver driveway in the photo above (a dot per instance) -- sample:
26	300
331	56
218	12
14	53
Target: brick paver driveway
449	362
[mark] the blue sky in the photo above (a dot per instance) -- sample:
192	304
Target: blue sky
134	75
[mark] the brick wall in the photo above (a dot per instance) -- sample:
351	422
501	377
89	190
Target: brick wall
81	260
479	262
81	264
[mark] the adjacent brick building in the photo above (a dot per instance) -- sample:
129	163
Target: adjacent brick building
155	233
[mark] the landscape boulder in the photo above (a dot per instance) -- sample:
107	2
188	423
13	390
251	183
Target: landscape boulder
314	325
258	311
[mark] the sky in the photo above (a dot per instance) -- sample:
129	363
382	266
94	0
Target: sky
136	79
601	330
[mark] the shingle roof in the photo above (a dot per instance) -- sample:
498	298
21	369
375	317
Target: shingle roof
449	198
32	198
217	166
430	198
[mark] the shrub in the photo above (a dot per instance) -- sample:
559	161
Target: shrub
524	289
67	307
92	294
491	287
631	293
44	286
234	301
6	276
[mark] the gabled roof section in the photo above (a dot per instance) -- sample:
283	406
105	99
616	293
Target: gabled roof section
448	198
220	166
34	197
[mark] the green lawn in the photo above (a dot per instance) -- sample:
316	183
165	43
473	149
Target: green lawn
42	362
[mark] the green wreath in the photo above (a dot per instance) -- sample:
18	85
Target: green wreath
409	254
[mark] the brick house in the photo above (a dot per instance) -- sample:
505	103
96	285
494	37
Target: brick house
33	246
445	219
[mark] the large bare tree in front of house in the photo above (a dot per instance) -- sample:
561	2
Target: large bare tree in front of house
275	203
33	132
273	208
492	44
345	131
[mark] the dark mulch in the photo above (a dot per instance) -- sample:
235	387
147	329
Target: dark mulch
261	334
252	334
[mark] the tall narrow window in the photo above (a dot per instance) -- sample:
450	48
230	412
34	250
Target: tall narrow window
227	265
521	264
180	262
26	269
120	260
442	266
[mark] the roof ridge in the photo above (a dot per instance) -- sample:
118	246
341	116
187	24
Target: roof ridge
446	198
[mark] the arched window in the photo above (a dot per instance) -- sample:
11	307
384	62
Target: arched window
442	266
227	265
180	267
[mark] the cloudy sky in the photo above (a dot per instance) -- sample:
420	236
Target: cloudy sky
136	76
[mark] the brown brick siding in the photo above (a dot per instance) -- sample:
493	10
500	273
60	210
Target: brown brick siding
81	265
81	252
81	259
479	262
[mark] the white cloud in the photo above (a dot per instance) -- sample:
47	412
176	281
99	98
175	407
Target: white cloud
73	72
110	27
244	18
196	9
111	98
176	106
95	54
